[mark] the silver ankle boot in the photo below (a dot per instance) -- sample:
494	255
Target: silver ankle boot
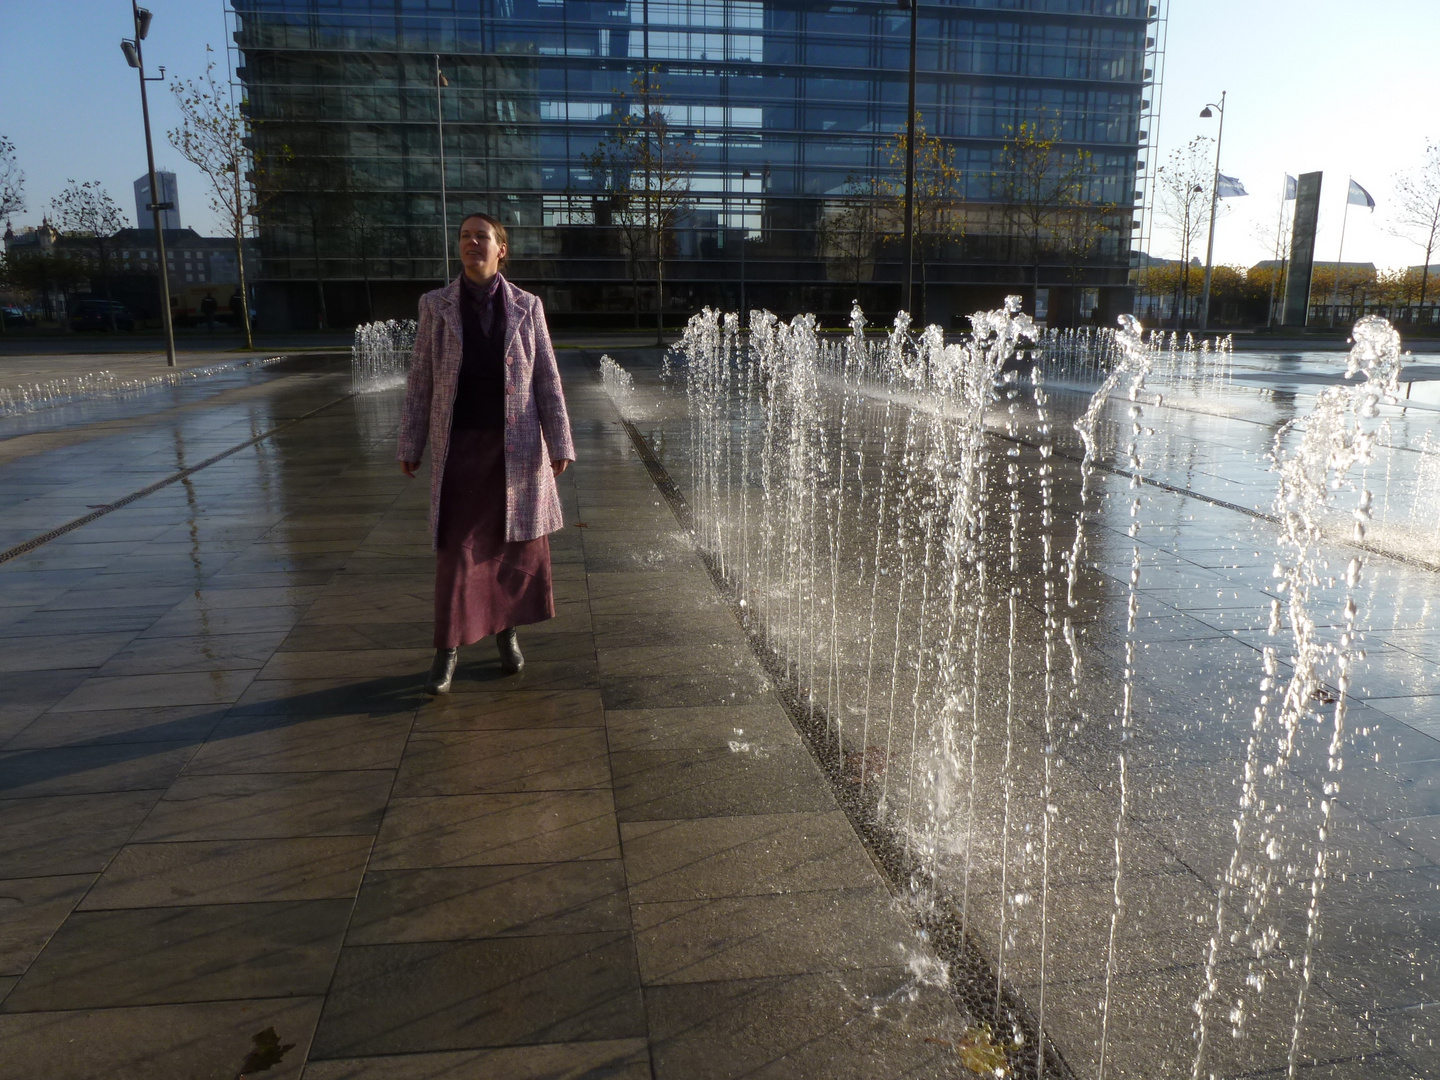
442	671
511	660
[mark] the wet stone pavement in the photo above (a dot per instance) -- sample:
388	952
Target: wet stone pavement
236	838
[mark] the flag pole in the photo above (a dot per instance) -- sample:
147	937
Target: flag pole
1340	258
1279	242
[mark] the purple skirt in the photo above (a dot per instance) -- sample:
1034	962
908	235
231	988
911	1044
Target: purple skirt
483	583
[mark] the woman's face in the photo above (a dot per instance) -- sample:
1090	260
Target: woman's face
480	253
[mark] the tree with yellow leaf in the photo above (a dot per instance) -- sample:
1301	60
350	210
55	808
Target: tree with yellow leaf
1044	190
938	200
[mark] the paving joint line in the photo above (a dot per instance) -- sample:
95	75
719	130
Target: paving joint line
27	546
1175	489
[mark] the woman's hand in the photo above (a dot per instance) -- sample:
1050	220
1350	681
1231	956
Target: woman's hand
559	466
409	467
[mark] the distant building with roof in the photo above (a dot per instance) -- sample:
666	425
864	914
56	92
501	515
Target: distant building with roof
197	265
1328	267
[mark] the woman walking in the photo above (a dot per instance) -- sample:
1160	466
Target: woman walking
484	392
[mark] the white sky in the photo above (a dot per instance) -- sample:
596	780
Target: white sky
1330	85
1313	84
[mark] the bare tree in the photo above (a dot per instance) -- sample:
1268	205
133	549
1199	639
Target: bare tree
1417	211
12	182
850	234
937	201
1278	238
12	189
362	221
87	211
311	190
608	207
1081	230
43	273
1042	185
1182	203
212	136
643	170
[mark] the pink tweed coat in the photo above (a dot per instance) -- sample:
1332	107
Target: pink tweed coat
537	427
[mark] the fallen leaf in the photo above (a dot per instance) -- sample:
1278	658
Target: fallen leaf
266	1054
981	1054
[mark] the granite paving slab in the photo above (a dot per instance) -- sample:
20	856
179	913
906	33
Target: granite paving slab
226	806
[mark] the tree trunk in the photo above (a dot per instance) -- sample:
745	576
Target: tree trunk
924	281
1425	280
319	277
660	290
635	288
105	278
244	290
1035	254
239	223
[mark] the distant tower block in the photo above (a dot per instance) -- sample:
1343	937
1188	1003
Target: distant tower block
169	193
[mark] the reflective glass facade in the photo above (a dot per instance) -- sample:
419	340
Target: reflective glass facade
789	104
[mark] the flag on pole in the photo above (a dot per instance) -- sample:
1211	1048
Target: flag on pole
1291	186
1359	196
1230	188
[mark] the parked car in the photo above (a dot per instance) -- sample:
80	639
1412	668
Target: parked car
95	315
14	318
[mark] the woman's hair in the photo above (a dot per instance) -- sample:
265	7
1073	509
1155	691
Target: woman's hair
495	227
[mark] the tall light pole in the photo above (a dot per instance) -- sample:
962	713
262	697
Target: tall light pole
744	240
440	81
913	6
135	57
1205	114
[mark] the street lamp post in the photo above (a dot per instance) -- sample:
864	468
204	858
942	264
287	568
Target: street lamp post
913	6
744	239
1205	114
135	57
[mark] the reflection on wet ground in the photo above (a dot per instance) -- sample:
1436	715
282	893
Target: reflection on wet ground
233	833
1030	856
233	830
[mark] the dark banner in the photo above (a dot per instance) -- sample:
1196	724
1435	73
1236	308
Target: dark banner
1302	249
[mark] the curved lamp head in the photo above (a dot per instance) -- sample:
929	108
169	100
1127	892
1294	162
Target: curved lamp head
131	56
1205	113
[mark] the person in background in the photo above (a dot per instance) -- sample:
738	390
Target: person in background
484	393
207	308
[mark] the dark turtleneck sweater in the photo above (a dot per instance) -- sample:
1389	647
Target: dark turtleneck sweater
480	392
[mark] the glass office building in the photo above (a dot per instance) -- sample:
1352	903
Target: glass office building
789	111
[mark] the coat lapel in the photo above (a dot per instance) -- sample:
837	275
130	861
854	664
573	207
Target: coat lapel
514	313
450	309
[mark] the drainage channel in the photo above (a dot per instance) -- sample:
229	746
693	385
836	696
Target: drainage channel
27	546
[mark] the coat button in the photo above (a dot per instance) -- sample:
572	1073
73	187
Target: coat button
510	389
